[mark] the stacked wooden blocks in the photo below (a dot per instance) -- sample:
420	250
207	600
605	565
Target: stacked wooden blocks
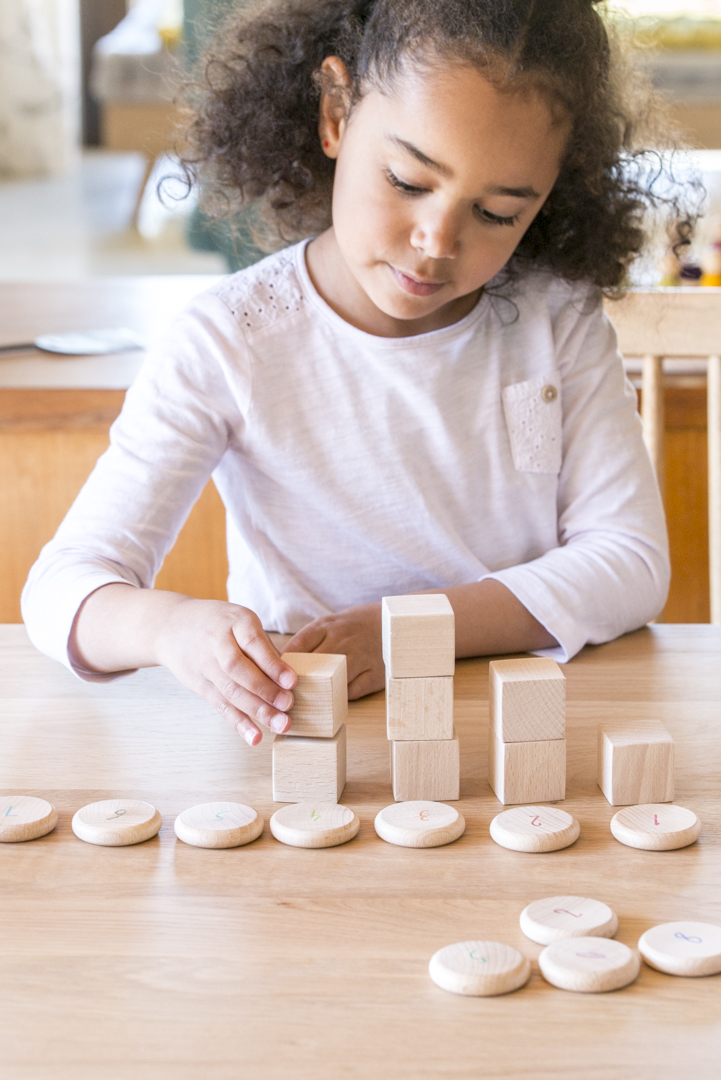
419	650
527	730
309	762
635	763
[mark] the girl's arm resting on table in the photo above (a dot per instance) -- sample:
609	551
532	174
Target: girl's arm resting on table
489	620
216	649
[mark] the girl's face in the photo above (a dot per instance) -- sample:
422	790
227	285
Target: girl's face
436	182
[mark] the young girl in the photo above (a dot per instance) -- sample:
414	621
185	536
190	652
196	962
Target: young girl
426	396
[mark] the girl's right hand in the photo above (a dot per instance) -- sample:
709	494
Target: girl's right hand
221	652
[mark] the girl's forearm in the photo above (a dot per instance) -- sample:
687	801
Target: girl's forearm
491	620
118	626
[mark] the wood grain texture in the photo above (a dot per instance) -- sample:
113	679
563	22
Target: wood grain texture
656	827
527	699
479	968
683	948
527	772
320	695
535	829
419	708
419	637
636	763
589	965
714	482
116	822
419	824
218	825
23	817
555	918
427	769
314	825
309	768
159	961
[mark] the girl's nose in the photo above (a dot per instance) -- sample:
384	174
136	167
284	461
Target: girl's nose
436	236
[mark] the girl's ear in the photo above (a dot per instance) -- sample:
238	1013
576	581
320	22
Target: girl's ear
336	85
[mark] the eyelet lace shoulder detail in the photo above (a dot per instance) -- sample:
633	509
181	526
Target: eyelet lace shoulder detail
265	293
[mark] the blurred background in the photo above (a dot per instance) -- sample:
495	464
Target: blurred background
89	111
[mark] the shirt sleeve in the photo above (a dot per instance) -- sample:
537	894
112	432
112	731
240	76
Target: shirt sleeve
185	406
610	572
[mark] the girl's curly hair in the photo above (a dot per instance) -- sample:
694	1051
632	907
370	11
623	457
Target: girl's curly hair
254	134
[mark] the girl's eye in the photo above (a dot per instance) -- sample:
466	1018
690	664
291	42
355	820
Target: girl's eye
495	219
408	189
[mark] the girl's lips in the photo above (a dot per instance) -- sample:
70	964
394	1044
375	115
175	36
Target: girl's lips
413	286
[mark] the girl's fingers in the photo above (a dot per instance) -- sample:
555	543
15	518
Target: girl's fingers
308	639
238	720
240	669
367	682
256	645
241	697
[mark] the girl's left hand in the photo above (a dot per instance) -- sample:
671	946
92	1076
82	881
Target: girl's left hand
355	632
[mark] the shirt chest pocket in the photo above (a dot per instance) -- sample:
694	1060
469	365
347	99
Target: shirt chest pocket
533	418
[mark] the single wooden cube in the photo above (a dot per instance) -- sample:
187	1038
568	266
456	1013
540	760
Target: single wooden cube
321	693
527	699
427	769
419	708
419	636
527	772
635	763
309	769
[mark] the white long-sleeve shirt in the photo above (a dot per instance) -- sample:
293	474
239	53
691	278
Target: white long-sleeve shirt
353	466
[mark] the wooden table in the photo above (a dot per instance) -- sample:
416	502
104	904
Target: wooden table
273	963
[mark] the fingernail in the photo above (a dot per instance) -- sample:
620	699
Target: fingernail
252	737
286	679
279	723
283	701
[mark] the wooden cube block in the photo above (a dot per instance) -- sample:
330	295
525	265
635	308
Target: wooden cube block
307	769
527	699
419	708
428	769
527	772
635	763
321	693
419	636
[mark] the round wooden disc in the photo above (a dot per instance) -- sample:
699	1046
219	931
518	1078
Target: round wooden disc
558	917
314	825
117	822
683	948
589	965
656	826
219	825
534	828
419	824
23	817
479	968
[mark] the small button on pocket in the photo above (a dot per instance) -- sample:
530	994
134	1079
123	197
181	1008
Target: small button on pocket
534	422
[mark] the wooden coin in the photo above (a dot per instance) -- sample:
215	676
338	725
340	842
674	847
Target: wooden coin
589	965
535	828
479	968
558	917
419	824
656	826
683	948
116	822
219	825
314	825
23	817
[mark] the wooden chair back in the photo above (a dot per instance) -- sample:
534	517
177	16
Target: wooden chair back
684	324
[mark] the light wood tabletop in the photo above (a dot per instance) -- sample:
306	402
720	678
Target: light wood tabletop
269	962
